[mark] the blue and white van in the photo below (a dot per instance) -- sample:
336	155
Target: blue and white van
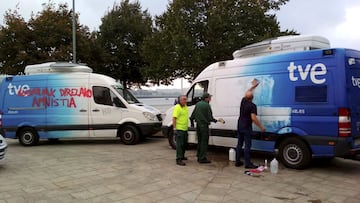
65	100
308	99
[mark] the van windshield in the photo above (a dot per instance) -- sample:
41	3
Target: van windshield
126	94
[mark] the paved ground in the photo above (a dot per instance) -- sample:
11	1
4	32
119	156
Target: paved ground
108	171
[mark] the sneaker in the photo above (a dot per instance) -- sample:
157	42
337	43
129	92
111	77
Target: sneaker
240	163
184	158
204	161
180	162
251	166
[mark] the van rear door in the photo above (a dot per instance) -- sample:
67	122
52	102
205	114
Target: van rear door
353	94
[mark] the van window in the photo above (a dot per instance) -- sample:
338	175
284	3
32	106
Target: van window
126	94
311	93
116	101
196	91
102	95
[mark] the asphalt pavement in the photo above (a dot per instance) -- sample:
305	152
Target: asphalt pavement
109	171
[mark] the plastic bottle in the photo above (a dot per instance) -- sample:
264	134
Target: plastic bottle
232	154
266	165
274	166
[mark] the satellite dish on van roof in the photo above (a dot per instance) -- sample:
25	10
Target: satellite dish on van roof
283	44
56	67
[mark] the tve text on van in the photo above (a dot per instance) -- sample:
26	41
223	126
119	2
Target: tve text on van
315	71
355	81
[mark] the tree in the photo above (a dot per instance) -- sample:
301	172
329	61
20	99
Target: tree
122	33
15	43
52	31
46	37
91	52
157	52
193	34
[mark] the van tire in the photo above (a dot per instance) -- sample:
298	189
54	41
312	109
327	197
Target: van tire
129	135
172	139
28	137
294	153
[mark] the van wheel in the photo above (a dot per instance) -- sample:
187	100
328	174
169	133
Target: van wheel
294	153
28	137
172	139
129	135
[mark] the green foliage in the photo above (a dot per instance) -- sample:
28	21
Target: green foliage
122	33
52	31
46	37
193	34
15	43
129	46
91	52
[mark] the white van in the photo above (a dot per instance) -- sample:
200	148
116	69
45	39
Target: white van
59	100
308	99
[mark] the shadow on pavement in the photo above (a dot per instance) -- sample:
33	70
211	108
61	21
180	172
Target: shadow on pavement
85	141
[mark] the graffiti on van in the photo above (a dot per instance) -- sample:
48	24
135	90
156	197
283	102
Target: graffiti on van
46	97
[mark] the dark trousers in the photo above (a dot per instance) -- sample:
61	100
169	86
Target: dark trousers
181	140
244	137
202	131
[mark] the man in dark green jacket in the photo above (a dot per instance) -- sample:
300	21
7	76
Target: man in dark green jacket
202	115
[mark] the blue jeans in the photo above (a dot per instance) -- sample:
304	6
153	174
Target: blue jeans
244	137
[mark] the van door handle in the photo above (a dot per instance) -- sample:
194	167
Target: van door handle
95	110
83	110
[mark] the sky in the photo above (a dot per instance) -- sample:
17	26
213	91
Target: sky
337	20
334	19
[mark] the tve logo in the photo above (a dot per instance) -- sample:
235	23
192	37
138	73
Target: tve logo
15	90
355	81
315	72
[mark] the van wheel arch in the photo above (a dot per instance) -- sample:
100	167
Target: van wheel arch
293	151
283	137
28	136
129	134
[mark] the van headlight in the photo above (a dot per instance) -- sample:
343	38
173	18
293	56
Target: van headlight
149	116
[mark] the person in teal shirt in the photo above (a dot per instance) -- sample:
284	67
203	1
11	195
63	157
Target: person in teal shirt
202	115
180	125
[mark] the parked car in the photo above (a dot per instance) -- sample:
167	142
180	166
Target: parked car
3	146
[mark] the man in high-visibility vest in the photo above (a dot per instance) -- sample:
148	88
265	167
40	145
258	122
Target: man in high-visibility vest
180	125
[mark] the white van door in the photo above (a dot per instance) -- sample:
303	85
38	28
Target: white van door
105	112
